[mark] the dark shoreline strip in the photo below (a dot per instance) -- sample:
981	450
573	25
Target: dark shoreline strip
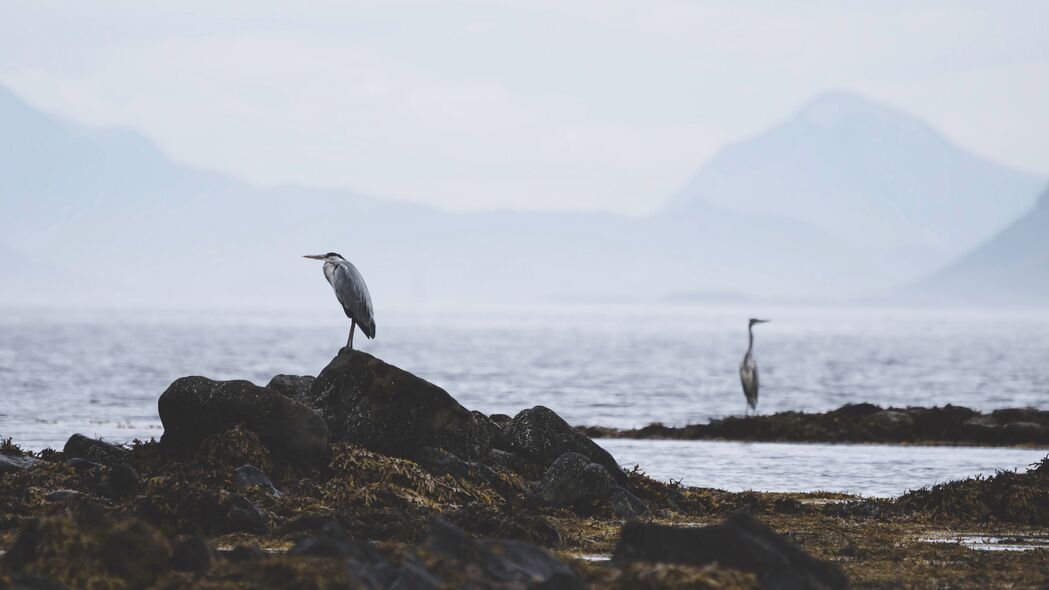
862	423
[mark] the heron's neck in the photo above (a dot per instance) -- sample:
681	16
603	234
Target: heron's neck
750	332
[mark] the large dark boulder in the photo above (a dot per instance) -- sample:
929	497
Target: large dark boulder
740	543
193	408
366	401
542	436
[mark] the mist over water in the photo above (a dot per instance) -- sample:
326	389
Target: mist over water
100	373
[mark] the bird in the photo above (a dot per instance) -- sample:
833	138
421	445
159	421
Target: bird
351	292
748	369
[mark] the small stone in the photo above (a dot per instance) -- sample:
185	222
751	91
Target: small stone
123	481
247	476
15	463
626	505
81	447
243	516
242	553
82	465
62	495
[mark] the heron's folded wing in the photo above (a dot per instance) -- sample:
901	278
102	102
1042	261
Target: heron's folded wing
352	293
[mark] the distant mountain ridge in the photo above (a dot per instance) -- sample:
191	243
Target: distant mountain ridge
1012	268
880	179
108	207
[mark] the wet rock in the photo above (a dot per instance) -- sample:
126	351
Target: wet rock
81	447
449	558
296	387
980	427
247	476
368	402
243	516
500	419
62	495
441	462
484	521
193	555
242	553
332	541
367	565
574	480
740	543
192	408
123	481
308	522
82	465
889	425
541	435
861	423
1020	432
506	460
16	463
626	505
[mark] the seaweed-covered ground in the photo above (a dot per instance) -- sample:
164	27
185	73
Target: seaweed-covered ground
862	423
368	477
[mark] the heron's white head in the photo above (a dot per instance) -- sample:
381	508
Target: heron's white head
756	321
331	257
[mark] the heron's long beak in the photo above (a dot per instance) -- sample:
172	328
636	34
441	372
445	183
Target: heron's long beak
762	321
315	256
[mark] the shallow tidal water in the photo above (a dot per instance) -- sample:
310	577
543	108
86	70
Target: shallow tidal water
862	469
100	373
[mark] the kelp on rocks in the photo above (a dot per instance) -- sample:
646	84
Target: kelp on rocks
1021	498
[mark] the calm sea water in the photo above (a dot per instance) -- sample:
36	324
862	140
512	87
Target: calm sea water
868	470
100	372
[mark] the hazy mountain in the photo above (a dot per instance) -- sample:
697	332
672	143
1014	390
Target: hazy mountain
117	222
872	175
107	204
1012	268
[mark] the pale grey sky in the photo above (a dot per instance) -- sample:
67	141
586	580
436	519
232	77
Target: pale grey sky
521	104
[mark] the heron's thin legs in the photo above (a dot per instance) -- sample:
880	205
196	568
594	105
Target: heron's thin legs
349	342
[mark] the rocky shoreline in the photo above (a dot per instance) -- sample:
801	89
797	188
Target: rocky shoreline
368	477
862	423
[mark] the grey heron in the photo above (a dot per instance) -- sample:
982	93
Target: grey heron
748	369
351	292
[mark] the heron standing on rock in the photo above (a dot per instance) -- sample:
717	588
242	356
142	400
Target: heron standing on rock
748	369
351	292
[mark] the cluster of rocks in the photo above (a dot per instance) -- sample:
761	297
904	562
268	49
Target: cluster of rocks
862	423
381	476
360	399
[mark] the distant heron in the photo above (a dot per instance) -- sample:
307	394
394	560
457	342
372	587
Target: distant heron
748	369
351	292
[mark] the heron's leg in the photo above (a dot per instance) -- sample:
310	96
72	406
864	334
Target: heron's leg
349	341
